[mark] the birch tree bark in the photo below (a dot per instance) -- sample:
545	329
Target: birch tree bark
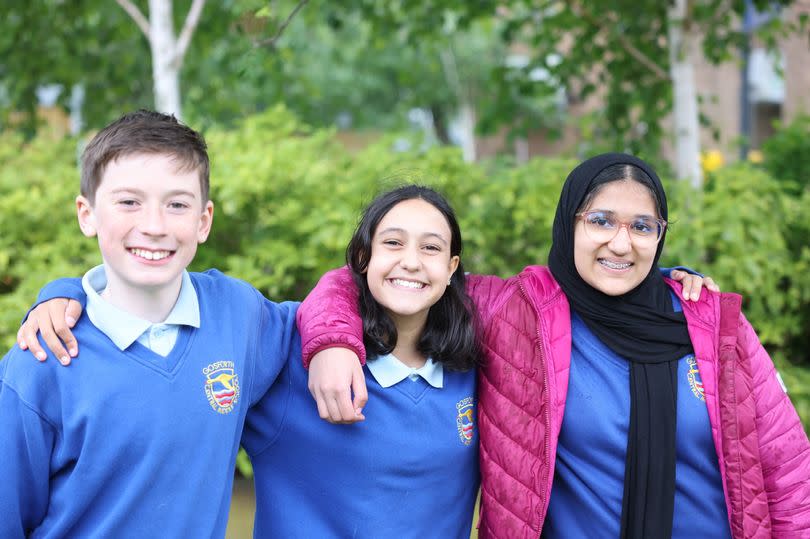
168	50
684	106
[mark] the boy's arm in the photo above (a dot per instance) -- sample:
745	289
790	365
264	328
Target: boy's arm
26	444
59	305
278	342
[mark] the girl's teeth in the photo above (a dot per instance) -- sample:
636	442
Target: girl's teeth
407	284
613	265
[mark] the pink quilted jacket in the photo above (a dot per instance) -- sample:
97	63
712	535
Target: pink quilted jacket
762	449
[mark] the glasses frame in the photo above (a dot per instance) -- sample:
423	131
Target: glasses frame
662	226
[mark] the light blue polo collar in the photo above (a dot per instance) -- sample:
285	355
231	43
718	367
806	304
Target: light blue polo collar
124	328
389	371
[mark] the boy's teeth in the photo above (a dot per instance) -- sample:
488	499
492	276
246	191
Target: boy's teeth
408	284
614	265
150	255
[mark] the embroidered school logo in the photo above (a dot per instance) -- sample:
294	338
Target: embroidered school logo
221	386
465	420
693	376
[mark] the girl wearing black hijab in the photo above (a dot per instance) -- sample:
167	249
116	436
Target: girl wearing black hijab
606	407
621	304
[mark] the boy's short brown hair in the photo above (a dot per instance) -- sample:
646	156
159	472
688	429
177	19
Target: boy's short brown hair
144	132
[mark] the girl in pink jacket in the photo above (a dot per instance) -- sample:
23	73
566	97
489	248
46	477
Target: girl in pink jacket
606	407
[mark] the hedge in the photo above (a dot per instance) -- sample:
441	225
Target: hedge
287	198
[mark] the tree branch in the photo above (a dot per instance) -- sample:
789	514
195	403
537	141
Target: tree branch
192	19
271	42
631	49
133	11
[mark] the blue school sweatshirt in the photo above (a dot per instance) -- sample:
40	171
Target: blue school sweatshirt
131	444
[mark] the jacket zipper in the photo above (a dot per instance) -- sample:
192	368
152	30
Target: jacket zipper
547	414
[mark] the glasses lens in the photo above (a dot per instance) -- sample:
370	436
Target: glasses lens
603	227
600	226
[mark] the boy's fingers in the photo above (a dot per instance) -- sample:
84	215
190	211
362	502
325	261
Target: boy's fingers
61	326
21	340
53	342
29	331
73	312
709	283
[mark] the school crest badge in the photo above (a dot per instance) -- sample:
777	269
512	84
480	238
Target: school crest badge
465	420
693	377
221	386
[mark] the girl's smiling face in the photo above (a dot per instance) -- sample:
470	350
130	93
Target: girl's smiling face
410	263
617	266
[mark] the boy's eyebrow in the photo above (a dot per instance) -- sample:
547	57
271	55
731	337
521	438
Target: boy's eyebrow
174	192
403	231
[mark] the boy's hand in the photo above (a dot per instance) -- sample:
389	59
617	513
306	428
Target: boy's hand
334	374
53	319
693	284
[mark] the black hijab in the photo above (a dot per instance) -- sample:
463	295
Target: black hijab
641	327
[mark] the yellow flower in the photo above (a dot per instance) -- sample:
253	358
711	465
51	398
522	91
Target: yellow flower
755	156
711	160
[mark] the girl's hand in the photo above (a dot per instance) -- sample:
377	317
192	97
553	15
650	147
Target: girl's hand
334	374
693	284
53	319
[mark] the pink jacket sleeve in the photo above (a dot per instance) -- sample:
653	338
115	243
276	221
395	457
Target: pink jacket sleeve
329	316
783	445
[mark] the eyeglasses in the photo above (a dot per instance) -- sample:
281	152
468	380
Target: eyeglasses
603	226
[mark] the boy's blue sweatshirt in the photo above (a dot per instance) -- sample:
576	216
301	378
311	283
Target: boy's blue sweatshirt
129	444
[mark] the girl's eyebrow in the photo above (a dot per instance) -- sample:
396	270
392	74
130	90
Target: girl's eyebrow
394	229
611	212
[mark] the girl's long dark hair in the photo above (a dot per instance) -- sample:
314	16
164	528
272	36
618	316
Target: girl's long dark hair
449	336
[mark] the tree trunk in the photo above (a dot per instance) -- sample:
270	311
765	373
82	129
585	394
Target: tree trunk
685	110
165	67
467	121
77	95
439	121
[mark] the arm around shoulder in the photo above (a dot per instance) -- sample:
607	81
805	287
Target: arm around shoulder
329	316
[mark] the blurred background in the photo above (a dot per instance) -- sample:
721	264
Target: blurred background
310	107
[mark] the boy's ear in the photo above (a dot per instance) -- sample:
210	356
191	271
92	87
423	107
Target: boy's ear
206	219
86	216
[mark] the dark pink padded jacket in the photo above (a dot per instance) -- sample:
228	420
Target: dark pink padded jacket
762	449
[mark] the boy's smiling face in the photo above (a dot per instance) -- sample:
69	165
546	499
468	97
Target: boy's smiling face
149	217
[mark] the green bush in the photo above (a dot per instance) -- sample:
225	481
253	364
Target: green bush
734	230
287	198
787	154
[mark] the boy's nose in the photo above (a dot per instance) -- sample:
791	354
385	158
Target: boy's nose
153	222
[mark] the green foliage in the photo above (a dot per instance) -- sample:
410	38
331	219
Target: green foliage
787	153
735	232
40	239
287	198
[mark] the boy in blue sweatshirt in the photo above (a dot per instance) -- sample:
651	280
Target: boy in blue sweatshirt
140	438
